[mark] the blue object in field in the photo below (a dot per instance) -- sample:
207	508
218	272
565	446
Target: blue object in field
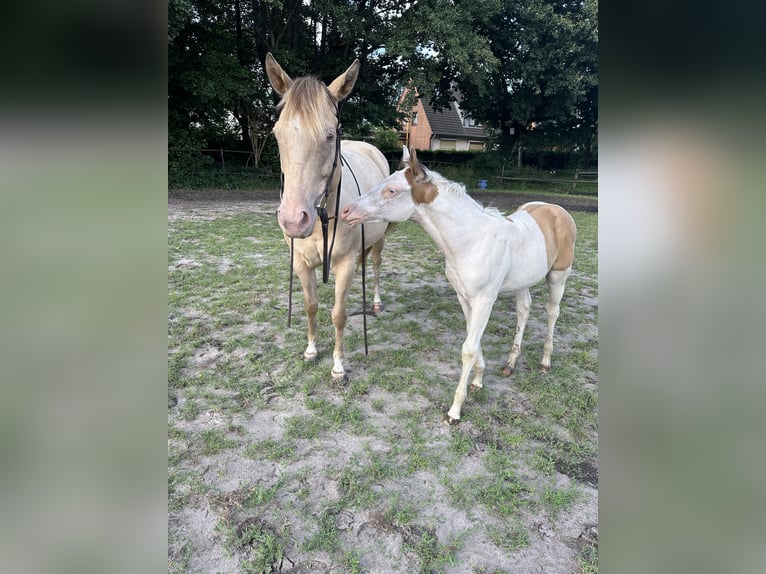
482	184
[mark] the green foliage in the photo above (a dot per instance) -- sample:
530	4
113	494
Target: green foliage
556	499
518	64
386	139
589	560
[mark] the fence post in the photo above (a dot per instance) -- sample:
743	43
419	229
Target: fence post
223	166
574	183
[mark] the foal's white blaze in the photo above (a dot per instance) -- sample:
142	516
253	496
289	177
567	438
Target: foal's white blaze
485	254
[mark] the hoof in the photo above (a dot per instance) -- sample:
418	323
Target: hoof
474	388
339	376
507	370
448	420
544	370
310	357
377	308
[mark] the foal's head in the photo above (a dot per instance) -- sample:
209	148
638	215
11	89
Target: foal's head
397	197
307	133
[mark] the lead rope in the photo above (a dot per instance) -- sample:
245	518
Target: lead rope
327	255
290	292
364	266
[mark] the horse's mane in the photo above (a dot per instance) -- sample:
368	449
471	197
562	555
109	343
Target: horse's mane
309	99
458	190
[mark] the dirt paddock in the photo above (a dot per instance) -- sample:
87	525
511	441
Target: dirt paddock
273	467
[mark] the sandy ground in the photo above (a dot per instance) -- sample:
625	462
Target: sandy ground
554	546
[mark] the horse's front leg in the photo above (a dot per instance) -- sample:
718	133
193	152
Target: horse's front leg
478	369
308	278
471	354
344	274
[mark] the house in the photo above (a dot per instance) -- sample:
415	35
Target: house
449	128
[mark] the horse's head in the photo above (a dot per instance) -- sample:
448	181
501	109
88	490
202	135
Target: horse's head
397	197
307	134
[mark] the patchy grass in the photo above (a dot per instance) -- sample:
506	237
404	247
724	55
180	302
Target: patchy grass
273	466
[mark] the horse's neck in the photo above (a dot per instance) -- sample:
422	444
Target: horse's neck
454	222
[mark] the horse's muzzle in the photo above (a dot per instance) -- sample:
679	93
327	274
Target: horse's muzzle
352	215
296	223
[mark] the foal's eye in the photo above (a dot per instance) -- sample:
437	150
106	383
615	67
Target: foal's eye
389	192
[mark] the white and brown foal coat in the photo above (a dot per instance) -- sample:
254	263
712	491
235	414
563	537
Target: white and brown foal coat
486	253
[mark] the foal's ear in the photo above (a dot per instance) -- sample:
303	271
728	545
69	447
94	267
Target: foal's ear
405	156
423	189
280	81
341	86
416	167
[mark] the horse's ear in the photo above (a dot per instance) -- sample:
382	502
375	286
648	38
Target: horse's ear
405	156
413	157
423	189
280	81
416	167
341	86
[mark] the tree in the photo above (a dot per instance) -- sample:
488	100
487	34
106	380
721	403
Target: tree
217	49
517	63
548	72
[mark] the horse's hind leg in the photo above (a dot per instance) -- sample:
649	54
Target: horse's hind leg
523	302
308	280
556	282
377	248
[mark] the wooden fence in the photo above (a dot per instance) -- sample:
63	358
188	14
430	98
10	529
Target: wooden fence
580	176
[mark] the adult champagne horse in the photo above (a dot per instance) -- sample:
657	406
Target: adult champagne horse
320	175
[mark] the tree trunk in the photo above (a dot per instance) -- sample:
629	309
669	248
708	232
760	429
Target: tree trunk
244	123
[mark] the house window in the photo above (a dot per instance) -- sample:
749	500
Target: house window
447	144
414	118
469	122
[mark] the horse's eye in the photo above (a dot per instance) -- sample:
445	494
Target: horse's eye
330	137
389	192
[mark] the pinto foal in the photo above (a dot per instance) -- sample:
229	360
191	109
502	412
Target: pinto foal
486	253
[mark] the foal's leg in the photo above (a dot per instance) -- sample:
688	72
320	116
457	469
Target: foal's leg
478	369
523	302
556	282
377	248
344	273
308	279
471	354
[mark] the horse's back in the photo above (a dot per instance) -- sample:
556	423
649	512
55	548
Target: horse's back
559	230
367	151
